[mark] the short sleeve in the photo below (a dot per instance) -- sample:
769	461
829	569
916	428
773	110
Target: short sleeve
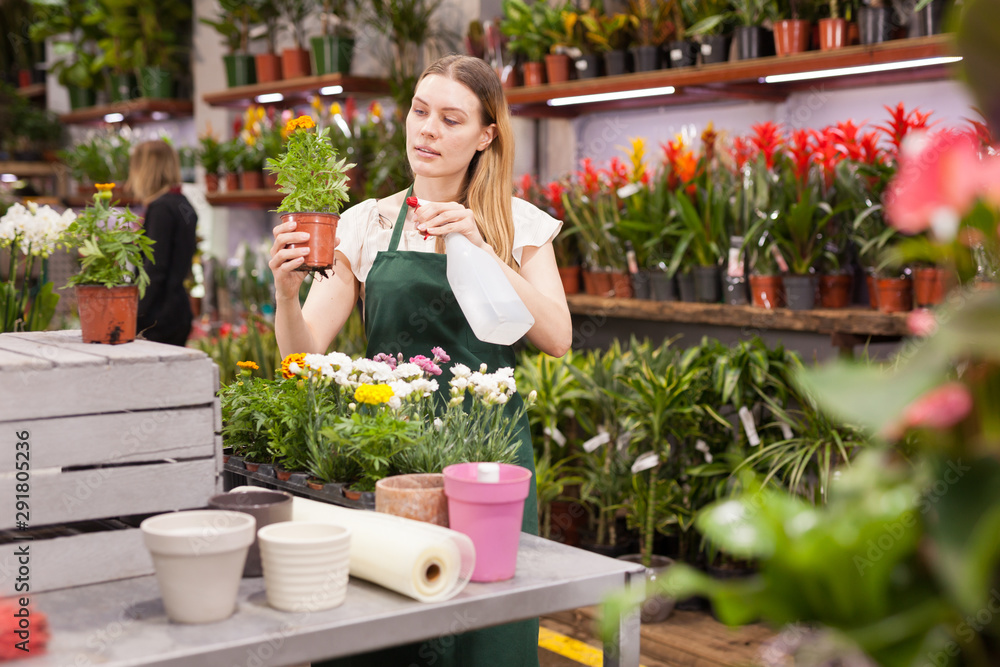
352	231
532	226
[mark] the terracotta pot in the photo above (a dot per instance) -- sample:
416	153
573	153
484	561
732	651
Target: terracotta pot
872	292
295	63
791	36
268	67
570	276
282	474
767	291
597	283
270	180
835	290
557	67
232	182
508	77
621	285
314	484
251	180
322	229
211	182
895	295
419	497
108	314
930	285
251	466
832	34
534	74
352	494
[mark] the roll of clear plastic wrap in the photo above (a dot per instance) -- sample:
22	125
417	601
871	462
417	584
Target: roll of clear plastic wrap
420	560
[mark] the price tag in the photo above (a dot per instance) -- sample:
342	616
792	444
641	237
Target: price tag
629	189
645	462
676	54
735	266
595	442
623	440
556	435
749	426
706	49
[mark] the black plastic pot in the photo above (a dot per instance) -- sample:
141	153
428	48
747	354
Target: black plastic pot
706	284
685	287
734	290
589	65
646	58
874	24
800	292
753	42
616	62
663	287
641	286
682	54
927	21
714	49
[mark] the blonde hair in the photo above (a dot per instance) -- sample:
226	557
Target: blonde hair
153	169
488	185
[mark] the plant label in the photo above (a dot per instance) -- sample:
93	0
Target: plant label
556	435
749	426
645	462
706	49
623	440
786	430
595	442
626	191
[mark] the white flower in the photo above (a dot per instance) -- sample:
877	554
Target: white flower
482	368
395	402
459	384
384	374
340	361
505	372
401	388
294	368
438	424
533	396
424	386
500	399
408	371
460	371
352	406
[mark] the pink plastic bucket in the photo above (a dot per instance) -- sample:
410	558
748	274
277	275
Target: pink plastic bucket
490	514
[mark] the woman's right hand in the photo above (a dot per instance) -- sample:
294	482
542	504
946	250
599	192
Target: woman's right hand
285	260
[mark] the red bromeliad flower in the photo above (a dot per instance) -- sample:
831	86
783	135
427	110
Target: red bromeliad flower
801	153
902	123
680	161
869	149
525	188
767	139
830	151
553	193
618	173
350	110
742	151
589	177
846	133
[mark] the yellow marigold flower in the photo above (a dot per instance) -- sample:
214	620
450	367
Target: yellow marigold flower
248	364
300	123
376	110
335	109
295	358
104	187
373	394
317	103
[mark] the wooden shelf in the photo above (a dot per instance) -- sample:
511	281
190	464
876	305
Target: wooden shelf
245	198
141	110
30	169
856	320
741	79
32	91
298	90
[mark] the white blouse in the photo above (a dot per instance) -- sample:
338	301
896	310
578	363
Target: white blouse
363	233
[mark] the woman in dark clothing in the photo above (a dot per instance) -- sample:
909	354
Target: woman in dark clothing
155	177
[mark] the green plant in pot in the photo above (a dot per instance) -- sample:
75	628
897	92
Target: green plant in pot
295	61
524	25
232	162
334	48
561	26
712	23
314	183
606	34
210	157
112	278
236	18
682	51
651	27
162	28
751	36
104	158
267	28
73	46
19	53
117	48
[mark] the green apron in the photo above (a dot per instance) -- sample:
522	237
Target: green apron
410	308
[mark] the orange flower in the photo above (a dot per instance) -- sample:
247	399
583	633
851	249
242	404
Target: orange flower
295	358
104	187
300	123
248	364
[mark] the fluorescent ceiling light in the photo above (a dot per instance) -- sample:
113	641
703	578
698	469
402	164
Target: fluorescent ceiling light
8	178
113	118
607	97
331	90
861	69
267	98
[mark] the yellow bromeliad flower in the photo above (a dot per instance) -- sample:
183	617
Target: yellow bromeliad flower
248	364
296	358
375	110
301	123
637	158
373	394
335	109
317	103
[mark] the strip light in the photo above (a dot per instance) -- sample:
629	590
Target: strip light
113	117
607	97
268	98
8	178
860	69
331	90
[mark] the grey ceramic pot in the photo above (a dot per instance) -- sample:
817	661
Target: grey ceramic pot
264	505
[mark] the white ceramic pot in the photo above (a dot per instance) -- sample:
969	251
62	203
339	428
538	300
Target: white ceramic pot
306	565
199	557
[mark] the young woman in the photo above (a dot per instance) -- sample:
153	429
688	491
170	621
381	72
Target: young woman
155	179
460	149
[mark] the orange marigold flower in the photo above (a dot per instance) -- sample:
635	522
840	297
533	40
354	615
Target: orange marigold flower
104	187
300	123
295	358
248	364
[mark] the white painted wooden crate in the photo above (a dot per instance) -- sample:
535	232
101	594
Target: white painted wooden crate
114	430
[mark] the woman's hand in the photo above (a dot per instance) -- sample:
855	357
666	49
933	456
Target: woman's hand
284	260
440	218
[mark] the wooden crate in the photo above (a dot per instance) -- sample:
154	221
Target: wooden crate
114	431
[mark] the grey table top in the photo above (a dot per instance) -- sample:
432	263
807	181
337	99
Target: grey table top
124	622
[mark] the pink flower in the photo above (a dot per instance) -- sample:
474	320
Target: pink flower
440	356
940	408
937	184
426	365
921	322
386	359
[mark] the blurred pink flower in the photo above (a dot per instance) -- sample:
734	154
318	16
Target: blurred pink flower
940	408
921	322
937	183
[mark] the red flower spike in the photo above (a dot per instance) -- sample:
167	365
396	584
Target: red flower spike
768	140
